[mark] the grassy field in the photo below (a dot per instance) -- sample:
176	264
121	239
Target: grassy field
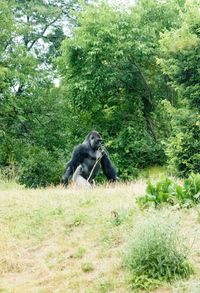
73	240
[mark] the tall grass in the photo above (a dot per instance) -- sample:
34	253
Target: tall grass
156	253
8	178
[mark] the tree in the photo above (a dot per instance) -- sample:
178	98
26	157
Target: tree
179	60
180	55
110	75
31	109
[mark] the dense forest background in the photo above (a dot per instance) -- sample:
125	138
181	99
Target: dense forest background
131	73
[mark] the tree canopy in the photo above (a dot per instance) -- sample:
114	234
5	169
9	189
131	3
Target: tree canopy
128	73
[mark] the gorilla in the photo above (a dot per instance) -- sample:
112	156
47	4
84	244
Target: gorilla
86	160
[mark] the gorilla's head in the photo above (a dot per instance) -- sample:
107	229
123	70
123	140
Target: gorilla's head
94	139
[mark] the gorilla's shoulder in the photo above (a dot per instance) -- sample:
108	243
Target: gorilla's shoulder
81	148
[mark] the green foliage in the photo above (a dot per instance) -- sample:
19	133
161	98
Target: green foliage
180	55
115	69
110	76
168	191
156	254
31	109
6	24
191	187
140	151
182	147
179	61
40	168
156	194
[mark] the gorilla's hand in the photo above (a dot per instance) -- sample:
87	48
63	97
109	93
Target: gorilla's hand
64	181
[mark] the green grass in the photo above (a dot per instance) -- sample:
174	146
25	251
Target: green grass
73	240
154	172
156	253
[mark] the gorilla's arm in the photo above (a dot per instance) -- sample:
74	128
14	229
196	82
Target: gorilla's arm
108	168
77	158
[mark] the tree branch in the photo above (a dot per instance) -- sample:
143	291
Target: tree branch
42	33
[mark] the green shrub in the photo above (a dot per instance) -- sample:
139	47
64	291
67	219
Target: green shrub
191	188
155	254
184	144
40	169
168	191
135	149
157	194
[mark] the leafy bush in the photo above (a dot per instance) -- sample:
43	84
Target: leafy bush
180	55
191	188
40	169
156	194
136	149
184	144
167	191
155	254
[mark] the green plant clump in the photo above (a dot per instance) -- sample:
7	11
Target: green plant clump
155	254
87	267
167	191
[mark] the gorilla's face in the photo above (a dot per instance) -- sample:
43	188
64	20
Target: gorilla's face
95	140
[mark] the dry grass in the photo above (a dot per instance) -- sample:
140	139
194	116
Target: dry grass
71	240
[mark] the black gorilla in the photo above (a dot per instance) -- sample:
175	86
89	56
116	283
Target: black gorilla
86	160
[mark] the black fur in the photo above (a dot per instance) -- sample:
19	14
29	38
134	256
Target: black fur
85	155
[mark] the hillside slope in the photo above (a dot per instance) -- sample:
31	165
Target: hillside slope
72	240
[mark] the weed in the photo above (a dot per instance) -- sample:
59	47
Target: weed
105	287
142	282
87	267
75	220
116	218
167	191
80	252
155	254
